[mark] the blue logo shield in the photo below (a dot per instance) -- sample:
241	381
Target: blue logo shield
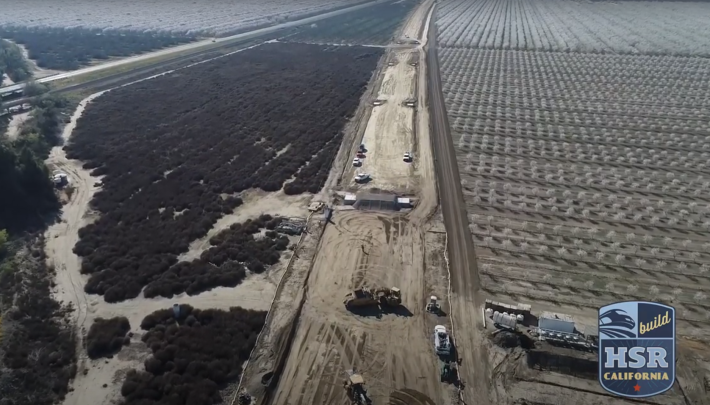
637	348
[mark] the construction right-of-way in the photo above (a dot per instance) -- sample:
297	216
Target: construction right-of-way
365	333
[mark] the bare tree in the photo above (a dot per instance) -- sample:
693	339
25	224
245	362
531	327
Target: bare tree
600	256
593	232
704	268
653	290
562	251
699	296
694	255
524	246
681	266
543	249
655	251
647	238
630	237
610	287
677	292
667	241
619	258
615	246
589	284
507	244
487	267
632	288
546	278
611	235
640	262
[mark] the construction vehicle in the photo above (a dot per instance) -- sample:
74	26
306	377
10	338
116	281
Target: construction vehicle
244	398
355	387
364	296
433	306
442	342
449	372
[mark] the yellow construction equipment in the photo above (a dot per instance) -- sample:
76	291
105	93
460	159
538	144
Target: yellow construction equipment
355	388
364	296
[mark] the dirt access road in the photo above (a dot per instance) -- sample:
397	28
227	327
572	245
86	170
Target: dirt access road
392	350
467	299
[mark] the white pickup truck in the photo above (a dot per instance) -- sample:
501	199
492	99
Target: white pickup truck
442	343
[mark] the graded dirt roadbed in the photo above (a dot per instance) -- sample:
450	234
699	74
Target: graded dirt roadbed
389	132
466	298
393	351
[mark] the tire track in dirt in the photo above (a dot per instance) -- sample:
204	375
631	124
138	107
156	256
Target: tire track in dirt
409	397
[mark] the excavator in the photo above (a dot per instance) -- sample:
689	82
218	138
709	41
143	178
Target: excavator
362	297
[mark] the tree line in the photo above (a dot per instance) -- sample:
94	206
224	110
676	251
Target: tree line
37	345
71	48
25	183
13	62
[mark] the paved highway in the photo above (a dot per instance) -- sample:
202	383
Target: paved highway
191	46
466	298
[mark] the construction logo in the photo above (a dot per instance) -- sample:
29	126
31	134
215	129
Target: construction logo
636	348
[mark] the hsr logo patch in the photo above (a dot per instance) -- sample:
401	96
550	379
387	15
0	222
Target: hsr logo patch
637	348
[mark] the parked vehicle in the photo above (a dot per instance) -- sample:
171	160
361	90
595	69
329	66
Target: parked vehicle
362	177
357	162
408	157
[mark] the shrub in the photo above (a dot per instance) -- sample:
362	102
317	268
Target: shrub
194	357
106	336
174	168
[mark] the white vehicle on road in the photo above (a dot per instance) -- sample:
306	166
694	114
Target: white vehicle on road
442	343
408	157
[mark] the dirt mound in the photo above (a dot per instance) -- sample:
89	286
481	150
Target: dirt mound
409	397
